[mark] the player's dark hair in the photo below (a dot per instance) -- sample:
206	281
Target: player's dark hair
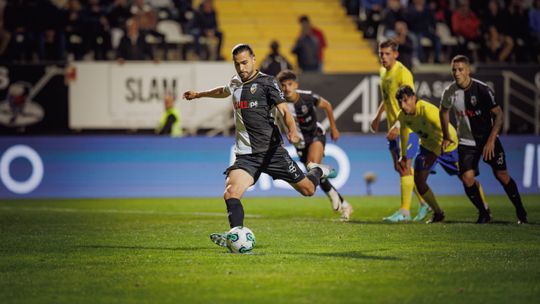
303	18
391	43
404	91
286	75
239	48
461	58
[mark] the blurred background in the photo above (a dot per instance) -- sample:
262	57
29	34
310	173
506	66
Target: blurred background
83	84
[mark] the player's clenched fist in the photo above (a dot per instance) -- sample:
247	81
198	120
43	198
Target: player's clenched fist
189	95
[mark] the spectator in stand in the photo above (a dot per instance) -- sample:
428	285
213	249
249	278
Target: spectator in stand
421	22
133	45
534	24
147	18
373	14
518	27
308	28
307	49
466	26
443	10
99	34
498	45
391	14
206	25
405	44
53	39
185	12
75	29
118	13
18	16
275	62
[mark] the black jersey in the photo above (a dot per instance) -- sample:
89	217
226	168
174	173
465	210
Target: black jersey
304	111
472	107
253	101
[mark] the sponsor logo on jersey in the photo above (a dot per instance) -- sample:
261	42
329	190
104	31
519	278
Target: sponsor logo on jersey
473	101
253	88
244	104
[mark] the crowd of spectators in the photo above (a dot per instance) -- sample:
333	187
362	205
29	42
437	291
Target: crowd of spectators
427	30
52	30
485	30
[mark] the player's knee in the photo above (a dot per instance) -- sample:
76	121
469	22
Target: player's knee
232	192
468	181
307	191
502	177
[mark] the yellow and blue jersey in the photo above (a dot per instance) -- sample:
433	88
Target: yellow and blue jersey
391	80
427	125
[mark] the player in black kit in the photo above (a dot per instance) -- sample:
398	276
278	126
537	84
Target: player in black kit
479	121
259	147
310	148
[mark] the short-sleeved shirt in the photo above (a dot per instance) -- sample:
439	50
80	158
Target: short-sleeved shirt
472	107
253	101
391	80
427	124
305	115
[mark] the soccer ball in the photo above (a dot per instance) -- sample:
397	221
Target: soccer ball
240	240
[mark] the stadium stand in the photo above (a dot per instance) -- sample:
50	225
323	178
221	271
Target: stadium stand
258	22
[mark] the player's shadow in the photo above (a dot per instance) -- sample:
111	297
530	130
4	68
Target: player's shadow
143	247
357	255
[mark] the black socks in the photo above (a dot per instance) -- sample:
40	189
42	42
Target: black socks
235	212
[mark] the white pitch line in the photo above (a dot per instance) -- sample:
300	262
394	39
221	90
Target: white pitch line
150	212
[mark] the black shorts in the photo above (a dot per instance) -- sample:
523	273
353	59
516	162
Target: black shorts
318	136
469	157
276	162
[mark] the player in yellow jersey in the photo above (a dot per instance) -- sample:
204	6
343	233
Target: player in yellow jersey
422	117
393	75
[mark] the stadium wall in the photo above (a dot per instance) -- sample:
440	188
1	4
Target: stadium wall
148	166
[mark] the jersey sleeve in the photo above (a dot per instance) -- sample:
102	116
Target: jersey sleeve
316	99
274	93
407	78
229	85
488	97
446	101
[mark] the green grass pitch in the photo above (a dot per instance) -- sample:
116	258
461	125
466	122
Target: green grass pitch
158	251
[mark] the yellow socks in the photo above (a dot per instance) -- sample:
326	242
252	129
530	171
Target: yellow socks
407	186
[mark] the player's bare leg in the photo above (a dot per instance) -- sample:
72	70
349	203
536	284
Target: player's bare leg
316	172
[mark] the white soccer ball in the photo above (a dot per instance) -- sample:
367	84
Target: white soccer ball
240	240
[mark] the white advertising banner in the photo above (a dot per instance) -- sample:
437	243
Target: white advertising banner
130	96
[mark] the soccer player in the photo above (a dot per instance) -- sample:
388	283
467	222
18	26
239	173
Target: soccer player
422	118
479	121
310	148
394	75
259	147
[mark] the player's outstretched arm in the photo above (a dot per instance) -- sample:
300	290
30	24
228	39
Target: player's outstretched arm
327	106
292	136
219	92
